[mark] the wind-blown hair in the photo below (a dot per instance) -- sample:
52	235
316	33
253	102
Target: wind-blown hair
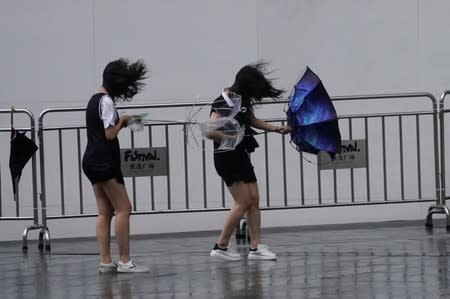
251	83
123	79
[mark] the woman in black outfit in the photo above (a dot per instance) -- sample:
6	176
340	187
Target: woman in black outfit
234	166
101	160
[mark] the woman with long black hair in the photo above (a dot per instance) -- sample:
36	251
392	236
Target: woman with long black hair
101	160
234	166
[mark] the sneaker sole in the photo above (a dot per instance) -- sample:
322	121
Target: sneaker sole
224	257
107	271
261	258
133	271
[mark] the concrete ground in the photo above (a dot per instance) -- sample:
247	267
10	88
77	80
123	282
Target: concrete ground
383	260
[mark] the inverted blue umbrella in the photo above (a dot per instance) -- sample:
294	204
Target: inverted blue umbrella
312	117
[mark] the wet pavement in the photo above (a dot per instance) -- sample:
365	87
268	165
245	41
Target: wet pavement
385	260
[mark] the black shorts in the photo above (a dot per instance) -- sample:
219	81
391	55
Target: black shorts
234	166
100	172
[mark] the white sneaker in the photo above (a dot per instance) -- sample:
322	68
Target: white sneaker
225	253
262	252
131	267
107	268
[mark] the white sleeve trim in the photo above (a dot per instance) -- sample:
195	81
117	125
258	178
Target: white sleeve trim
227	99
107	111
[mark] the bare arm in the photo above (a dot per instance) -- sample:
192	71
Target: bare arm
262	125
111	132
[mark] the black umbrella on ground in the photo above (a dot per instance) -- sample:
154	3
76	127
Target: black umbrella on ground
22	149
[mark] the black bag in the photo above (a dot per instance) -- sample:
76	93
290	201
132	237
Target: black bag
249	142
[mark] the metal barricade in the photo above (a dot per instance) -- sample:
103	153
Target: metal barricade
440	207
396	173
388	122
30	176
398	119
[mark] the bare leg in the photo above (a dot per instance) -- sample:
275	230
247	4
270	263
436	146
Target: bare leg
239	191
254	215
118	196
103	225
232	220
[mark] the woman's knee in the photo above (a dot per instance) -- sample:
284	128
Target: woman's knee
243	205
248	202
253	200
124	207
105	215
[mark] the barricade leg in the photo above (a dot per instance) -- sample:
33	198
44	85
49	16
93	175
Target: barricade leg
438	209
25	235
242	231
44	239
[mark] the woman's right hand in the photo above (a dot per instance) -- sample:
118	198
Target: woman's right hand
112	131
124	119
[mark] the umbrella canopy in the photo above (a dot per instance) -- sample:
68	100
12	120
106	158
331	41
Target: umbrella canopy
232	132
22	149
312	117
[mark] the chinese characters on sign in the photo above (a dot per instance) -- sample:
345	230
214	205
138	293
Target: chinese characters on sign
144	161
353	155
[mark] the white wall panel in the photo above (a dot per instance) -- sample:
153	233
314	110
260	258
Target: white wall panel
193	48
392	39
328	36
46	53
434	46
53	52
